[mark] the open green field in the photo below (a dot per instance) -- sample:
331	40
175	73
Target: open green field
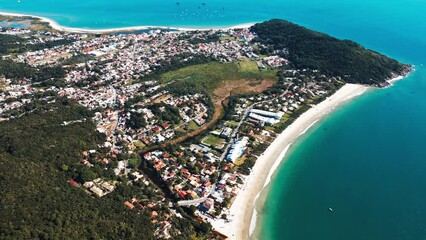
214	141
231	123
248	67
210	75
227	38
140	144
192	125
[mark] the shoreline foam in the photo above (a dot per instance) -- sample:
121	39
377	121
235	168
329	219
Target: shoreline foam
55	25
243	222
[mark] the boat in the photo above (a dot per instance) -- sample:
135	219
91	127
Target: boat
330	209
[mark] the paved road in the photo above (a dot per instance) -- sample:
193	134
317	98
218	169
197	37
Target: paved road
246	112
197	201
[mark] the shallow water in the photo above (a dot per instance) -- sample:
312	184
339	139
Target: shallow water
367	160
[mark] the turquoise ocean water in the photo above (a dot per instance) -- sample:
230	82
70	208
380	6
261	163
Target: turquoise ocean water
367	160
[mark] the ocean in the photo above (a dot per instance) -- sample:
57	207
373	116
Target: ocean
366	160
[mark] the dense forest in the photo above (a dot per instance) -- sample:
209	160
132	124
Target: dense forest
37	157
313	50
36	201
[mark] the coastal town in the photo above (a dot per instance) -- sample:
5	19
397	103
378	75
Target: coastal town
182	146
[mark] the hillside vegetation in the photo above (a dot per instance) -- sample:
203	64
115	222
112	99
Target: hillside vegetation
38	154
310	49
36	201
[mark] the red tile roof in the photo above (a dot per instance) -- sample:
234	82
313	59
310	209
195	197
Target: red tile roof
128	204
72	182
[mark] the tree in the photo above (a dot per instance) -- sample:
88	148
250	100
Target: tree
64	167
307	49
137	120
87	174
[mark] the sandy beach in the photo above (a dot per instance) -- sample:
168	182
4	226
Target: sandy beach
242	212
59	27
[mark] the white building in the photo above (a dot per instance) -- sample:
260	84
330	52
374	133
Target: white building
266	120
237	149
276	115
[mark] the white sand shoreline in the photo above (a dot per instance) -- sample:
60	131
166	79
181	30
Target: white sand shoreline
347	92
55	25
242	212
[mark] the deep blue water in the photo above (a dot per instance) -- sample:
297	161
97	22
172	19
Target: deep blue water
367	160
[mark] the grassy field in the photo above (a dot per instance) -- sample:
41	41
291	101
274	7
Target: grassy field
192	125
231	123
221	80
214	141
209	76
227	38
140	144
248	67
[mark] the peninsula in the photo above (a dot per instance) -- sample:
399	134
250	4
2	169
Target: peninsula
160	134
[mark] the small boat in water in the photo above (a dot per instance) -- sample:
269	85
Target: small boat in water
330	209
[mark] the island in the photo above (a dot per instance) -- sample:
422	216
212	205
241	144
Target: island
160	134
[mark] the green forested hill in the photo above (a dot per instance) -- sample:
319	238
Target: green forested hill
314	50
